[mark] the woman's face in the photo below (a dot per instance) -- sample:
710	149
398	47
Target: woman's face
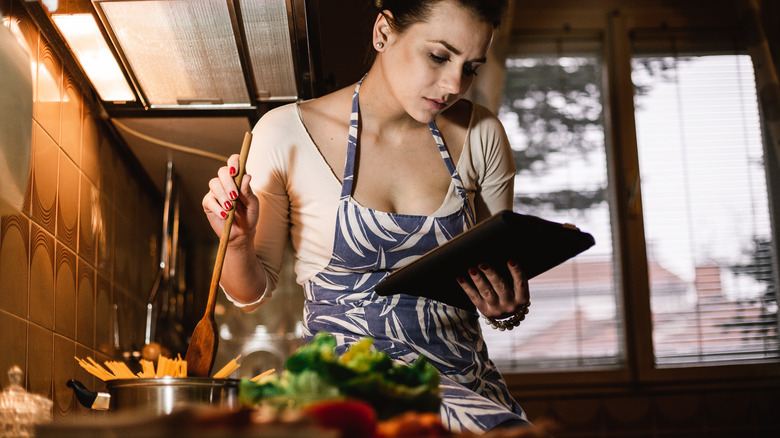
433	63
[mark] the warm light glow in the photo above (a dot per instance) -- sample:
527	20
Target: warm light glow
51	5
82	34
13	26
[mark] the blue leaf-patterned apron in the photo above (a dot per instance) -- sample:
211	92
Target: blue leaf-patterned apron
341	300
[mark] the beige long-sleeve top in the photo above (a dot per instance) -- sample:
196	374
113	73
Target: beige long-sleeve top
299	192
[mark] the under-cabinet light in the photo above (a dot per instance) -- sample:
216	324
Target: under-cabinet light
98	62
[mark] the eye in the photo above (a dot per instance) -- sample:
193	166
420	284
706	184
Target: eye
438	59
469	70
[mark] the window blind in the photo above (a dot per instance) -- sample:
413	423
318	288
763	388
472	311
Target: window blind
706	210
552	111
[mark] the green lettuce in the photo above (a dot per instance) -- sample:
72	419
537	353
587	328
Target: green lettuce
315	372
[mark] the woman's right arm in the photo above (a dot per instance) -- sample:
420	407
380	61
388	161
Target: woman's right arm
243	277
259	232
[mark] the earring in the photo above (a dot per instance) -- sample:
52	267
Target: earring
379	44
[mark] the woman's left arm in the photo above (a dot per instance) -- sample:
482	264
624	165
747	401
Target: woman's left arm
495	185
493	295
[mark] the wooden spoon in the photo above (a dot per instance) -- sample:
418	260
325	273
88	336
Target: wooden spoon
204	340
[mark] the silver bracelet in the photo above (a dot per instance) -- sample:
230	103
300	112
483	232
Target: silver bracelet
511	322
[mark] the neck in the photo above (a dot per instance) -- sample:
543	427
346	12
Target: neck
379	108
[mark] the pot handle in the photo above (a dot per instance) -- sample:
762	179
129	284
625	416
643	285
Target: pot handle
94	400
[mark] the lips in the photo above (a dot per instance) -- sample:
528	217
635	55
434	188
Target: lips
436	104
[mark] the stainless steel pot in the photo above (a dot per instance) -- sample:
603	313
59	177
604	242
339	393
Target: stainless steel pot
159	395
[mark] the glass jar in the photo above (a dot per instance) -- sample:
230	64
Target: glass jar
20	410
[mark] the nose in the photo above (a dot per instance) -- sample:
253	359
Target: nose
452	80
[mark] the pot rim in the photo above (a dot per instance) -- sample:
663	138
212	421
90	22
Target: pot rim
172	382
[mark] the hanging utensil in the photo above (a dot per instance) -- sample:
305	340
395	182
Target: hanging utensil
204	340
171	329
151	349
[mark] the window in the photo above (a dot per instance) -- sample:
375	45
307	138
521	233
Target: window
705	206
705	209
552	111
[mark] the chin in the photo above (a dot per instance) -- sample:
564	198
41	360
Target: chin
427	115
426	120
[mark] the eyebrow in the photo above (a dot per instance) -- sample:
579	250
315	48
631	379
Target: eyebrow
452	49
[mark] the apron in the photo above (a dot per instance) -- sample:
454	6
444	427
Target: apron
341	300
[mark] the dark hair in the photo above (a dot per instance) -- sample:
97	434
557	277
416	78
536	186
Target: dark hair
408	12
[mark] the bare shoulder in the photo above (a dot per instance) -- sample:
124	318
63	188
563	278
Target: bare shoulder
326	119
325	111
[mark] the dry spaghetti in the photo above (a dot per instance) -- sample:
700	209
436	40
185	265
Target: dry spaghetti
228	368
166	367
263	374
95	369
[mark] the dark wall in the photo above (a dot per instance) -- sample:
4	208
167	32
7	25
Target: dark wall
345	41
770	15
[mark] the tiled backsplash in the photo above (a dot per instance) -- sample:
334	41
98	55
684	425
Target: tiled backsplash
84	240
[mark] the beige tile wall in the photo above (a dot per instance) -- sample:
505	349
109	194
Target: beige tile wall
84	240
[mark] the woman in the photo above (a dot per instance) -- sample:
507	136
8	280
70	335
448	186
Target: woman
370	177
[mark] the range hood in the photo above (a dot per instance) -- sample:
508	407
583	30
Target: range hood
190	55
203	52
200	74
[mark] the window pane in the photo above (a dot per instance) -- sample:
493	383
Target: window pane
552	112
706	211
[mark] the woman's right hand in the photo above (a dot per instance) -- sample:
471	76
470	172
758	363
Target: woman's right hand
223	196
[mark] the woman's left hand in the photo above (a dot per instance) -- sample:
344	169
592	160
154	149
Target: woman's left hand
492	295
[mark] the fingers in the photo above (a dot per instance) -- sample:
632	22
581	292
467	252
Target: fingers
223	197
499	286
233	164
471	292
493	294
484	278
223	192
229	192
211	203
246	190
520	283
219	199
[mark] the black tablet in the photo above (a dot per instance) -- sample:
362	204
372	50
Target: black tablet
537	245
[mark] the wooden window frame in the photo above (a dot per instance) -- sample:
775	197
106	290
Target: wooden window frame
566	19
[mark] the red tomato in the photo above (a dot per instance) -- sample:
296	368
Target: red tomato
354	418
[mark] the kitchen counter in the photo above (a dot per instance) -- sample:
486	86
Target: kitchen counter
189	421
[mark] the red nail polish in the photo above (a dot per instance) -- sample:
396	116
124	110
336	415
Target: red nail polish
228	205
232	170
473	271
233	195
483	266
224	215
513	263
